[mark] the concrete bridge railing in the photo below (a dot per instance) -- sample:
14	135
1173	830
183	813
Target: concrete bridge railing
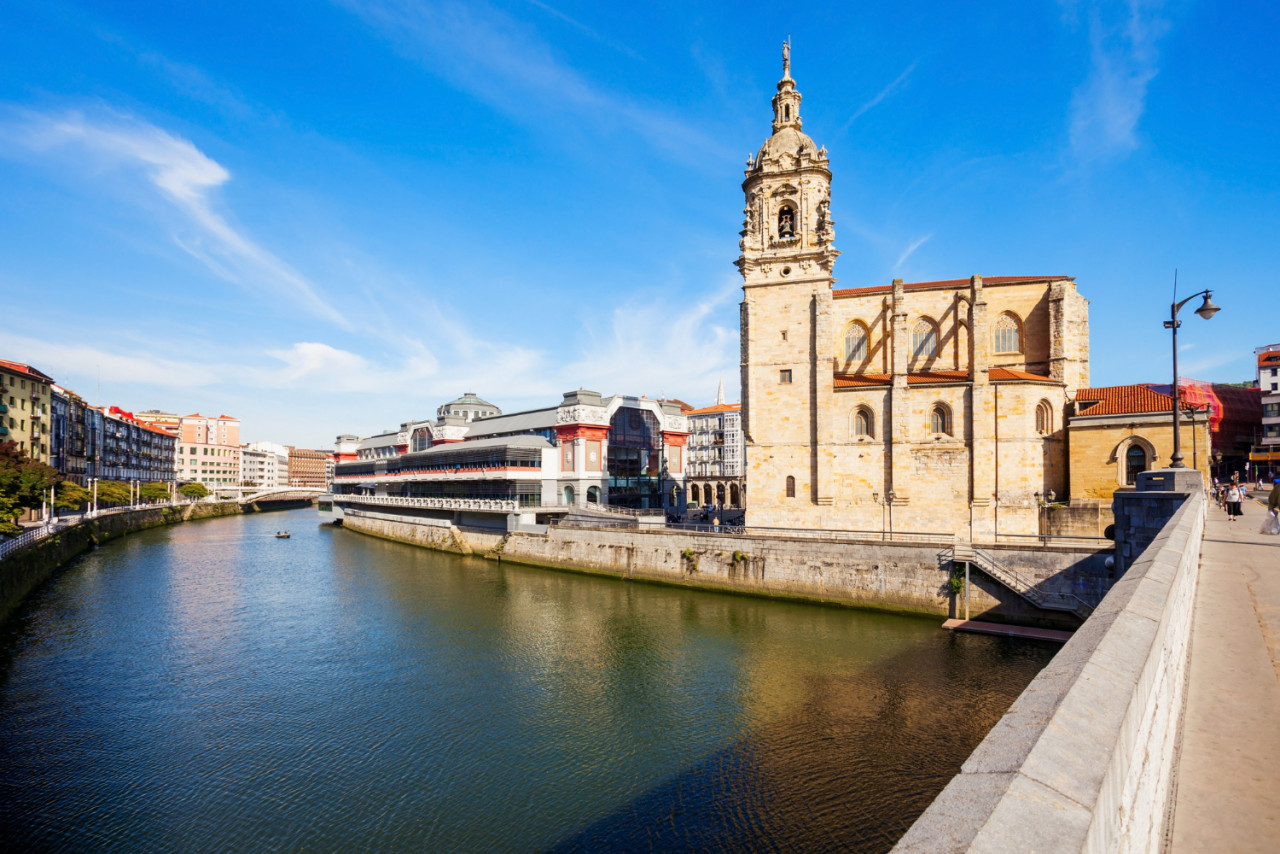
1084	759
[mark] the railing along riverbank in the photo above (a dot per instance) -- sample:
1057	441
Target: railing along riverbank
35	534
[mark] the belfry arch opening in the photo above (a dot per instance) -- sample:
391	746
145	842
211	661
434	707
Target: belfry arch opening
786	221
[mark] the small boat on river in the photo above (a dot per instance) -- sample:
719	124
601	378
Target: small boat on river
282	535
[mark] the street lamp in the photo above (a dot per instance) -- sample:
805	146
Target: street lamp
1206	310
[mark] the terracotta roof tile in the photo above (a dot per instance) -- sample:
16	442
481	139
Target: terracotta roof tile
20	368
1121	400
946	283
719	407
1004	374
1269	358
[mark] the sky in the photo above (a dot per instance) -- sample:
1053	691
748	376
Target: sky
326	218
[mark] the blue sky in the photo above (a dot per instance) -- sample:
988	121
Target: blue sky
332	217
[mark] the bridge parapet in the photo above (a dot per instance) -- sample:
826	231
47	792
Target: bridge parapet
1084	759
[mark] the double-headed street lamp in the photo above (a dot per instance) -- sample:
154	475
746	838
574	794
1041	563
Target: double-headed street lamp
1206	310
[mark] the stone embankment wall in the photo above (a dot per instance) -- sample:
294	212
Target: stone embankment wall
875	574
1084	758
22	571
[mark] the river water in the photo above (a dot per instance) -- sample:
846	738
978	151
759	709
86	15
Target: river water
206	687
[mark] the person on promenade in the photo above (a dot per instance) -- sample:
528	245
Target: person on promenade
1272	523
1235	495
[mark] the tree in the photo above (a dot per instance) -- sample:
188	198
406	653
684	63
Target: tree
113	492
72	496
24	484
193	490
155	491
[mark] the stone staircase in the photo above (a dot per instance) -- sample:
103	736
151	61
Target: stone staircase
1022	584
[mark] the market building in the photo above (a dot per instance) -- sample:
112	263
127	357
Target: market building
587	450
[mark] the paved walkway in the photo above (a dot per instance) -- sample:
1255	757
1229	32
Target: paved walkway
1228	777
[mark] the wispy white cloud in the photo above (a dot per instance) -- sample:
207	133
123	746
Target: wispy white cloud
897	84
501	60
651	346
583	28
910	250
1107	106
185	177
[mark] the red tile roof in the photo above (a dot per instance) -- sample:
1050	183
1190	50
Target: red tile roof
1121	400
20	368
1007	374
948	283
1269	358
936	377
719	407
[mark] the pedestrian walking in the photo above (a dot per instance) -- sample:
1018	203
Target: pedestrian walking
1235	495
1272	523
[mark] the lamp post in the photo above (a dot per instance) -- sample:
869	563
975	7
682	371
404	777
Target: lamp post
1206	310
1043	500
892	495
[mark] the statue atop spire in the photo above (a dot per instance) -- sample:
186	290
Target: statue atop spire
786	104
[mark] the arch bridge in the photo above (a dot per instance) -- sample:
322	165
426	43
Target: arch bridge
281	493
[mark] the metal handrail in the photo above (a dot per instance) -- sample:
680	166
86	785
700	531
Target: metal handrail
1015	581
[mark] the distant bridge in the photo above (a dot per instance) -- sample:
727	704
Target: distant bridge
282	493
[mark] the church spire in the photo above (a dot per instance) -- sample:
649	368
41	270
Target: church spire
720	393
786	104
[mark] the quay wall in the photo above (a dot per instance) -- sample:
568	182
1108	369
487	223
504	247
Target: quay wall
21	571
1084	759
906	577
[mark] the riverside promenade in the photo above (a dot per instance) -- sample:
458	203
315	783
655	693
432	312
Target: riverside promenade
1228	774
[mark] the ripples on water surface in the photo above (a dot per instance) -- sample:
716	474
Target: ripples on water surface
207	687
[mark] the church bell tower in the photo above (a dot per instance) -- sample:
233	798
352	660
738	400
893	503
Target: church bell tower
786	315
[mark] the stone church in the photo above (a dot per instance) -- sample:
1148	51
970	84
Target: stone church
927	406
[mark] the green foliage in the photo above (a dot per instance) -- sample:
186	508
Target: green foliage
24	484
155	492
72	496
687	554
193	490
957	579
741	557
113	492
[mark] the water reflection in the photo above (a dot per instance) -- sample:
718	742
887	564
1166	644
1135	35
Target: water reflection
209	687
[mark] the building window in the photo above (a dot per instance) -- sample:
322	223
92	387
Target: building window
693	494
1135	462
924	340
1044	418
864	422
784	376
855	343
791	487
940	420
1008	334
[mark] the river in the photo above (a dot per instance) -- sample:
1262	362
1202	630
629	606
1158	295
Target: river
207	687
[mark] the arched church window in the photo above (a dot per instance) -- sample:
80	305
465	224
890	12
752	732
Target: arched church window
791	487
924	339
1135	462
940	420
786	221
864	422
1044	418
1008	334
855	343
786	113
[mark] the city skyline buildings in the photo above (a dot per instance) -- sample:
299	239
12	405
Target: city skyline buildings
260	229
